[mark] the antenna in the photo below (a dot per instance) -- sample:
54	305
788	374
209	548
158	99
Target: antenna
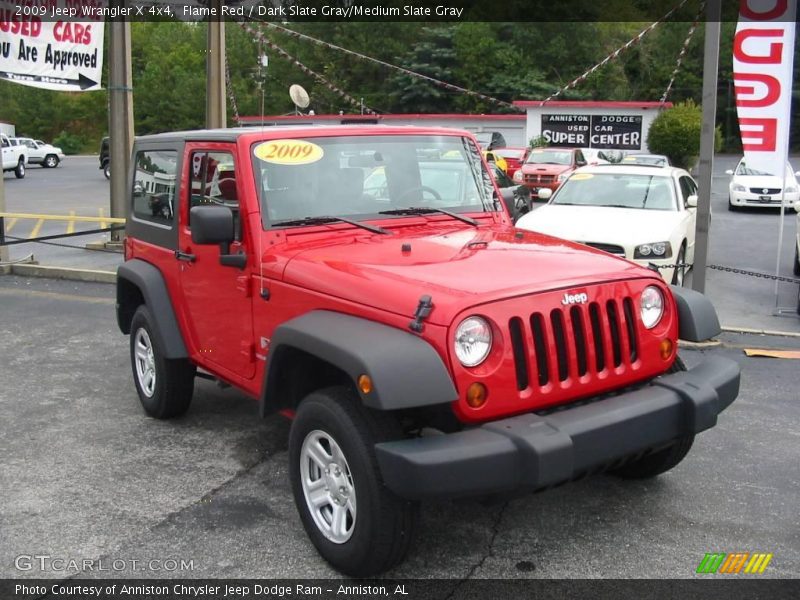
299	96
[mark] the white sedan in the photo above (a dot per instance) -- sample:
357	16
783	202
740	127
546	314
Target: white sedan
749	187
644	214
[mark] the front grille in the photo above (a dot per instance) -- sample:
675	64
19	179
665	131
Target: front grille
762	192
610	248
573	343
539	178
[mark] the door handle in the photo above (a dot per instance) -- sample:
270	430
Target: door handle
185	256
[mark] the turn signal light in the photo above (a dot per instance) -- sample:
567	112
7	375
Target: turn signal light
365	384
476	395
666	348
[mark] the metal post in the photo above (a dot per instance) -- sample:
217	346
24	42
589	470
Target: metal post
120	89
215	71
3	249
710	68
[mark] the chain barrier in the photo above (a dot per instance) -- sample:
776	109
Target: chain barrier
41	239
725	269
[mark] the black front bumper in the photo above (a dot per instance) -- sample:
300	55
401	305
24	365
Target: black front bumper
529	452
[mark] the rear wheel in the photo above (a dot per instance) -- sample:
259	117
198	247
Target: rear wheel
663	460
165	386
50	161
19	171
354	521
107	170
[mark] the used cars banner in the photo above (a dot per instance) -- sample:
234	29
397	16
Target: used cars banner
763	51
44	45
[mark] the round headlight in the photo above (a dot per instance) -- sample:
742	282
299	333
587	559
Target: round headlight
659	248
473	341
652	306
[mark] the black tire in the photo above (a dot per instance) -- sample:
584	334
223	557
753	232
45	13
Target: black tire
173	387
731	206
679	274
50	161
796	266
19	170
107	170
383	525
661	461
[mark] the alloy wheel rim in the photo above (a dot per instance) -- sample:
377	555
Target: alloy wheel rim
145	363
328	486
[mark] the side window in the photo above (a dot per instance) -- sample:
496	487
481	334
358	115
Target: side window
5	143
688	188
154	186
579	160
214	182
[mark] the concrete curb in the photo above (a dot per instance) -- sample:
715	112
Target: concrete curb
64	273
731	329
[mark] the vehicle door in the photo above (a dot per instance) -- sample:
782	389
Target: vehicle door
689	221
217	299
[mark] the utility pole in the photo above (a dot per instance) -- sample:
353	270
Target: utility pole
215	70
120	89
707	137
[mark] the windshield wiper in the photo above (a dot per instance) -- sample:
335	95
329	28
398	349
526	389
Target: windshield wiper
411	210
329	219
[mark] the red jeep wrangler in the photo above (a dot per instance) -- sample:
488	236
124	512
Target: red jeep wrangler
548	168
367	281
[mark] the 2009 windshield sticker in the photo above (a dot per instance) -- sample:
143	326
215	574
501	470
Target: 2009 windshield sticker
289	152
580	176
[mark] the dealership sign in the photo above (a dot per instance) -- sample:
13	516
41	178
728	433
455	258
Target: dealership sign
42	44
619	132
763	51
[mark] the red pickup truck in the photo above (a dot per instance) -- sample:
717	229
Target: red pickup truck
548	168
367	282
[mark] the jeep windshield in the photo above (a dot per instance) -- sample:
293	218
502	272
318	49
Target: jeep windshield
617	190
363	177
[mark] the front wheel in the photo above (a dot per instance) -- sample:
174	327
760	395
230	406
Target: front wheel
796	267
354	521
19	171
107	170
165	386
679	274
661	461
50	161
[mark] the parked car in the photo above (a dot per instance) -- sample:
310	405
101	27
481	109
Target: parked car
495	159
489	140
648	160
13	157
548	168
39	153
105	158
750	187
423	347
594	156
516	197
643	214
514	157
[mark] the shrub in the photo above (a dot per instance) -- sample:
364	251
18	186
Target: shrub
538	142
676	133
69	143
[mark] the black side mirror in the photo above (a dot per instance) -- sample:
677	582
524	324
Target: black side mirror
214	225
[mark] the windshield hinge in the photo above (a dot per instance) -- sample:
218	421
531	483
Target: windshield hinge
423	310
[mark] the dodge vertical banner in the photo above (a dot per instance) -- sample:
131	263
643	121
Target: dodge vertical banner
42	44
763	51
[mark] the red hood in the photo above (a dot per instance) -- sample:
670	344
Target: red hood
459	267
545	169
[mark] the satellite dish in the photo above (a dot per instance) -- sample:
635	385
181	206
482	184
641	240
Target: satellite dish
298	95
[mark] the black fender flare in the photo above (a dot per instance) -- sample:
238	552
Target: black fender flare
405	369
697	317
150	282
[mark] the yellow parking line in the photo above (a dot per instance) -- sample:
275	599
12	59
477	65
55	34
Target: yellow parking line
36	228
12	215
10	225
103	224
71	224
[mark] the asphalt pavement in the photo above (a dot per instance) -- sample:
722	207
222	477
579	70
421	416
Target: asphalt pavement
86	475
745	240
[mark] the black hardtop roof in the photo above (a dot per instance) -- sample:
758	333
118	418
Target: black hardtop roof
233	133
